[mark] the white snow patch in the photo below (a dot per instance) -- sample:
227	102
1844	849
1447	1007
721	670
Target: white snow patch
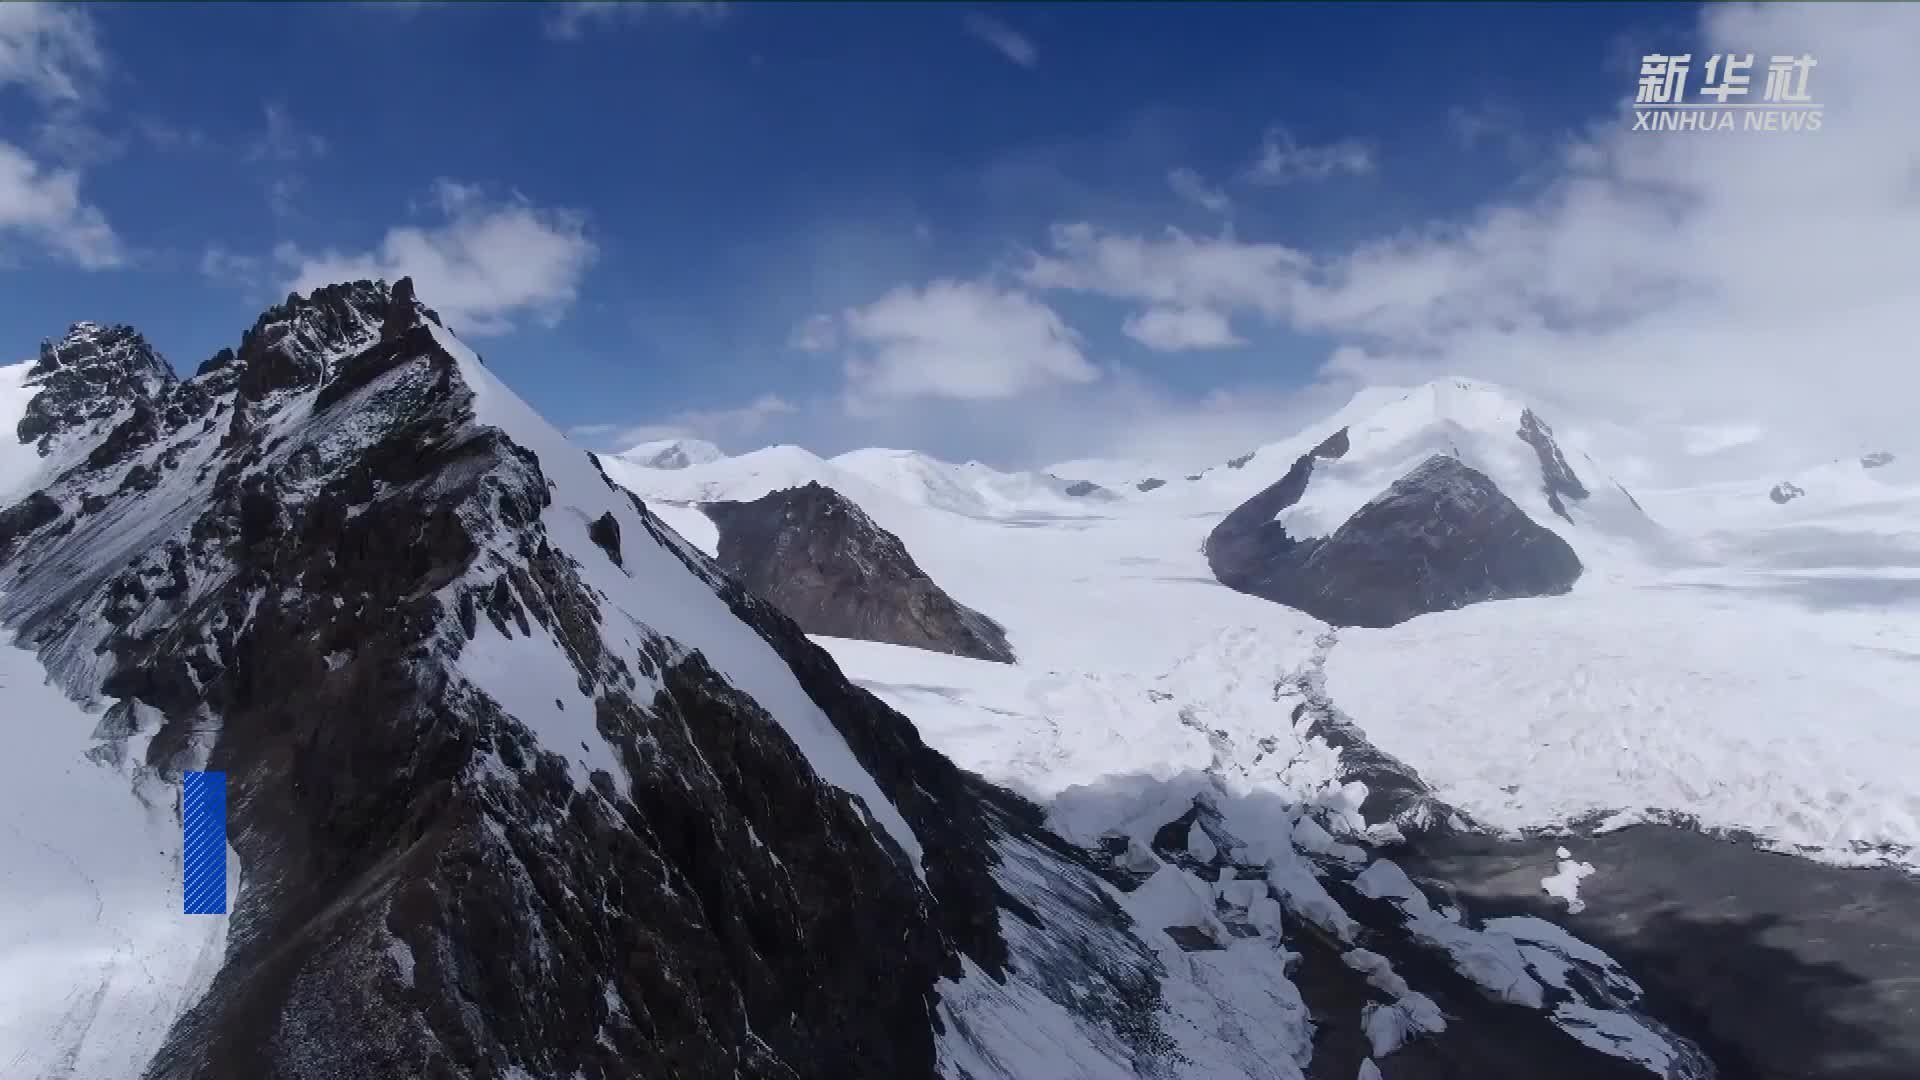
20	463
1723	704
531	678
96	959
671	453
1389	1027
656	590
1199	844
1491	959
1564	883
1615	1033
401	955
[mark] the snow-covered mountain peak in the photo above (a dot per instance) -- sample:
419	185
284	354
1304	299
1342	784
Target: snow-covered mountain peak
671	453
88	374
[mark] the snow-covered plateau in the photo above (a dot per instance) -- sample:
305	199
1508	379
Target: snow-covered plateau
1698	668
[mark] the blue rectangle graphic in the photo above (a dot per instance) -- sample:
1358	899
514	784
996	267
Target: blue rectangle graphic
203	853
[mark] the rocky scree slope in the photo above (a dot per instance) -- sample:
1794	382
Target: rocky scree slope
285	567
821	560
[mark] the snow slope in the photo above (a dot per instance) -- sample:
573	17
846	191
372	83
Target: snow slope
1848	516
1727	704
96	959
1391	430
972	489
907	477
19	462
671	453
653	591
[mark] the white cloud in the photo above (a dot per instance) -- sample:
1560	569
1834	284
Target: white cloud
571	21
820	333
1173	269
167	136
1175	329
715	425
232	268
51	50
1698	281
486	263
1192	187
44	206
69	137
1282	160
958	340
282	140
1475	125
1004	39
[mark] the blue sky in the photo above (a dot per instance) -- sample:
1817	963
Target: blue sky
803	222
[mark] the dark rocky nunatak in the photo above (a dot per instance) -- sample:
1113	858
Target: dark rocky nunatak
1556	476
821	560
1785	492
1441	537
1876	459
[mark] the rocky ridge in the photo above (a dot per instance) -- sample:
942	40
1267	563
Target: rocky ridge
280	574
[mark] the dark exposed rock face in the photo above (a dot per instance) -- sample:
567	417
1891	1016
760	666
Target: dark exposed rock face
821	560
25	516
1556	476
1150	483
1785	492
1083	488
1876	459
1441	537
87	377
297	615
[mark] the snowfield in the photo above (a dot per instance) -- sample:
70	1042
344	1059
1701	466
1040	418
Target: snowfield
1741	710
19	462
1746	664
96	959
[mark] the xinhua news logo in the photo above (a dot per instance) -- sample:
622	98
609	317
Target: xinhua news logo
1722	101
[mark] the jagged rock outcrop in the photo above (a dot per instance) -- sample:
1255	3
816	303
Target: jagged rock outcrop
436	885
1556	476
1875	460
823	562
87	378
1785	492
1441	537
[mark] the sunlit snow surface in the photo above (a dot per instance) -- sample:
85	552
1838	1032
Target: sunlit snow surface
20	462
653	591
1725	702
96	958
1681	676
1750	665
